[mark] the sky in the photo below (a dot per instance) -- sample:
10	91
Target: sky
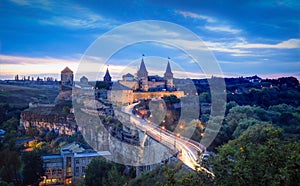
242	38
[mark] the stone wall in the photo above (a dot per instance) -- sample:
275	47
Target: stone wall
148	95
120	96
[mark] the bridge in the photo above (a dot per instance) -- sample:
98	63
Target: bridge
187	148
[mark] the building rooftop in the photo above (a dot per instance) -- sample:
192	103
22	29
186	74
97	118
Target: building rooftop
83	78
107	75
20	141
168	70
143	67
128	75
66	70
119	86
155	78
72	148
51	156
93	153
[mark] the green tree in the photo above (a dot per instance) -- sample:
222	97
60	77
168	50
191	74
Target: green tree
10	165
205	97
283	108
230	105
103	172
3	112
258	157
33	168
178	176
33	132
240	118
195	178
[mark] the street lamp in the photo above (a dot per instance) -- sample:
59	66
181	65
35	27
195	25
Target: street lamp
162	128
177	136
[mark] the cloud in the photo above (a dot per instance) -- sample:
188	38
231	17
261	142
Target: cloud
65	14
82	19
195	16
240	63
248	54
222	29
87	20
12	65
241	48
225	47
7	60
41	4
288	44
20	2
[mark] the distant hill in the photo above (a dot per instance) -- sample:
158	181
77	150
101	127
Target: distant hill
21	96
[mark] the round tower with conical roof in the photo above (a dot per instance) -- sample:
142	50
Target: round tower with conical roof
168	76
142	76
107	77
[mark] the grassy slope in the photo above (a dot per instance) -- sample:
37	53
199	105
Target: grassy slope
20	96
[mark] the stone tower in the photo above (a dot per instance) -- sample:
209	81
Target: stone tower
107	77
84	80
168	77
66	79
142	75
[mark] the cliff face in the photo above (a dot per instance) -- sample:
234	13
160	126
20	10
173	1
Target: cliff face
49	118
128	145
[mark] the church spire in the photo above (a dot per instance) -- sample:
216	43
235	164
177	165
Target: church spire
107	77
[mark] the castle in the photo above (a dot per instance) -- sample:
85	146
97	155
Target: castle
132	88
128	90
143	82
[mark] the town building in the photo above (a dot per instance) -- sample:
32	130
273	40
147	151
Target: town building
69	166
2	134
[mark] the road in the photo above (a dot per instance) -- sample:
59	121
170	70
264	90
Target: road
188	149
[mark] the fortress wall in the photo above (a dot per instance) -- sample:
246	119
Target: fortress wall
148	95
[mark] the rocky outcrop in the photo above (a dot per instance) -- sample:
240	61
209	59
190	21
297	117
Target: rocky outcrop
49	118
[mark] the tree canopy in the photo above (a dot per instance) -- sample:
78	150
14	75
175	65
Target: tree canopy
259	156
103	172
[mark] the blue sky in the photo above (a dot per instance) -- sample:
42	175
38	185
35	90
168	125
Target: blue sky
247	37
